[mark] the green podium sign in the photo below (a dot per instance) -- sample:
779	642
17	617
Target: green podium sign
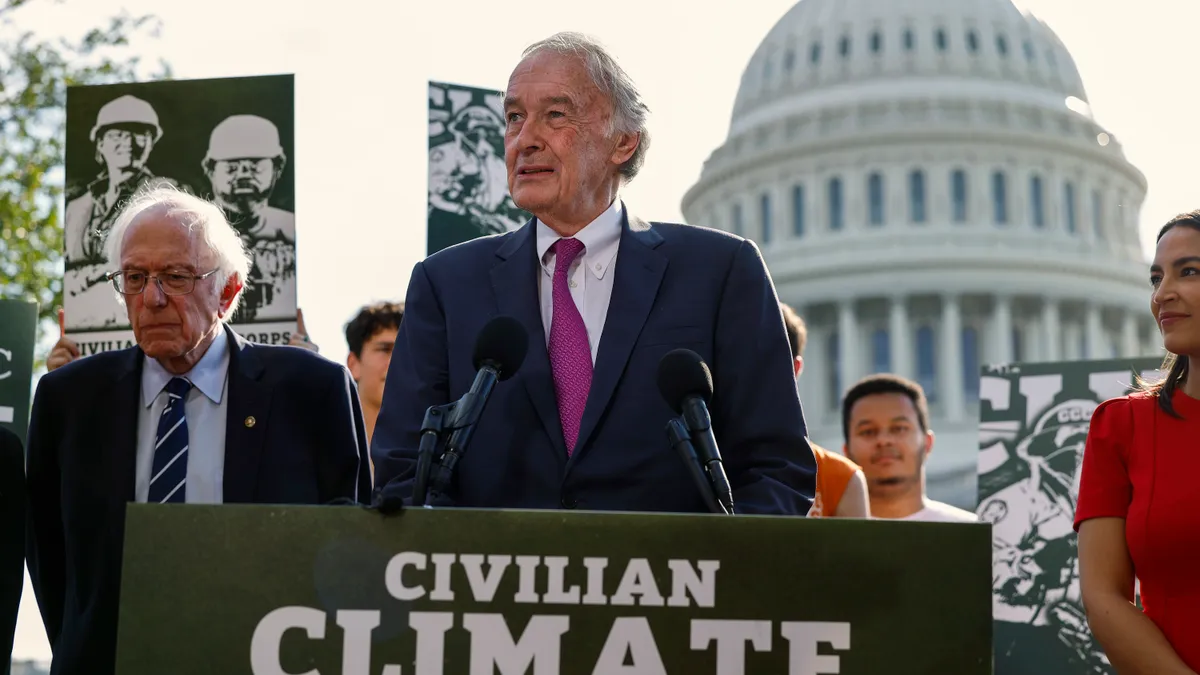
266	590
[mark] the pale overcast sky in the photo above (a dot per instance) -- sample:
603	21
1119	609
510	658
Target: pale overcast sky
362	69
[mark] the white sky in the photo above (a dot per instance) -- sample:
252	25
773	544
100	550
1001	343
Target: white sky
362	67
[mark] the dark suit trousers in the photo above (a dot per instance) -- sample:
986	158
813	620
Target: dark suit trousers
12	540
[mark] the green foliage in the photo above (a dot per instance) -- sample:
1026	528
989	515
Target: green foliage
34	76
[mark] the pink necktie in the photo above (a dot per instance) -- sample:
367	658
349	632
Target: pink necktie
570	353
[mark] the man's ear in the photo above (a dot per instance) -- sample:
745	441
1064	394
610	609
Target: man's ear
627	143
353	365
928	442
798	365
232	287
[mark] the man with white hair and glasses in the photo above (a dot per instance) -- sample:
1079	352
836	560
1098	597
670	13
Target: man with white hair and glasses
192	414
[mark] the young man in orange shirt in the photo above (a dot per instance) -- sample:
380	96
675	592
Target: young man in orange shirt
841	486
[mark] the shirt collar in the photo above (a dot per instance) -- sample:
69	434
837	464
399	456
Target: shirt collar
208	375
600	239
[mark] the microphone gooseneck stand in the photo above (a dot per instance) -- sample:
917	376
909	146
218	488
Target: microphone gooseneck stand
431	439
681	440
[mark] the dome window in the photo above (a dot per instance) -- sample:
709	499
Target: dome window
972	42
1029	54
876	42
875	198
764	216
789	60
1002	45
909	40
835	203
1037	202
814	54
999	198
958	192
916	196
1069	206
844	46
939	38
798	210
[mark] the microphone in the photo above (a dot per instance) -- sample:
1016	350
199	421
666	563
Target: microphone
686	383
681	441
500	350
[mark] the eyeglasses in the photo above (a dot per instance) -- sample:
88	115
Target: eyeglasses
132	282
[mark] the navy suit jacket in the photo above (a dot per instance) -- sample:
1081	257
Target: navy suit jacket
675	286
12	534
307	446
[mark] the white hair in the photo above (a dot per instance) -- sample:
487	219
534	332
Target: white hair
630	113
200	217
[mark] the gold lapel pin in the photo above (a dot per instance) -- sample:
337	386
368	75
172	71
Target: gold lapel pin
250	422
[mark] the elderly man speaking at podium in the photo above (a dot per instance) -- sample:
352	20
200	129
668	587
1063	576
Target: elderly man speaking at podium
603	296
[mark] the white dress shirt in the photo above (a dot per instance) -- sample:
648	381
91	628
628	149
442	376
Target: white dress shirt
590	276
204	409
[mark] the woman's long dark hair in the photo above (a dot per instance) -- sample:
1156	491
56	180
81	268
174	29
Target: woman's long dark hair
1175	365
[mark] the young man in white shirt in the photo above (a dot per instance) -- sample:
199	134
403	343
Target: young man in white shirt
885	424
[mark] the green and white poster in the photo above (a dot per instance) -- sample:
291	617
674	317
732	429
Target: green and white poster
1033	427
468	181
18	333
229	140
339	590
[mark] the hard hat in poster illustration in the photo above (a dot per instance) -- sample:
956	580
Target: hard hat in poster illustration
126	110
244	137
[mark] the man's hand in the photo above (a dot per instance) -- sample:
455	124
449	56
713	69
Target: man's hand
300	337
65	350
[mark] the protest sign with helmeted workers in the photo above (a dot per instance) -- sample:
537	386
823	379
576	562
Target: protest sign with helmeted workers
229	140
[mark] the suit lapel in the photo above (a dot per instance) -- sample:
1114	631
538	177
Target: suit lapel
639	272
515	282
245	421
118	406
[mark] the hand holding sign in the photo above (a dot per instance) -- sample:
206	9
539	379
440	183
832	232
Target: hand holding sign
65	350
300	337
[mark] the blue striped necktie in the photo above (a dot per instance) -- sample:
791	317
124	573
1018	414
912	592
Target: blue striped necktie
169	474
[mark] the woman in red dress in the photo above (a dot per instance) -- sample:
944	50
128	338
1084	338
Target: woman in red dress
1138	513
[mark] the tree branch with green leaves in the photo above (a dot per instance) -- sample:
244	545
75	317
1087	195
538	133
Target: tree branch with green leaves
35	72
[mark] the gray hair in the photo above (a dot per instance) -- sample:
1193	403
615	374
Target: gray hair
629	111
200	217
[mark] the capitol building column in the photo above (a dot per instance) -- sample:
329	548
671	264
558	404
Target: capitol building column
899	334
1130	346
1052	331
848	344
950	365
1004	330
1096	347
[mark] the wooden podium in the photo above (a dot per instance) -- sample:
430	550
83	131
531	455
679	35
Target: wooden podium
339	590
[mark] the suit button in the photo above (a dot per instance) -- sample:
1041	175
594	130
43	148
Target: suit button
568	502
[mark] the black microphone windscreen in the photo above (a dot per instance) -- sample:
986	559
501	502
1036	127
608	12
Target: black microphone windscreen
503	342
682	373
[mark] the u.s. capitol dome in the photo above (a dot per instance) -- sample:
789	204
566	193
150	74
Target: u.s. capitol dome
931	192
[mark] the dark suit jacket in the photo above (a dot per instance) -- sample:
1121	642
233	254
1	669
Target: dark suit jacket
675	286
307	446
12	537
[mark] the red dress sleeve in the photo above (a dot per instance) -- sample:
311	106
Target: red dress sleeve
1105	489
